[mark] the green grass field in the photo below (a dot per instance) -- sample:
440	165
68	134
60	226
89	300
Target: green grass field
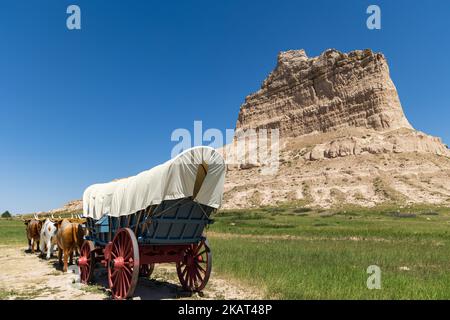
296	253
12	232
292	252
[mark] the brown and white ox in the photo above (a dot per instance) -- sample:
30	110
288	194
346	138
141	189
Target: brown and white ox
34	227
69	237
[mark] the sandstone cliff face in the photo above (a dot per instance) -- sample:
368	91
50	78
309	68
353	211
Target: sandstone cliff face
325	93
71	206
343	138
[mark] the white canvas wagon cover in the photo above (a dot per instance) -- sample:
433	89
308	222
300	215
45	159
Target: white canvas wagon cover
198	172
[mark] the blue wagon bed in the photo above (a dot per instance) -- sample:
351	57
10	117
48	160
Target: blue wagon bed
171	222
154	217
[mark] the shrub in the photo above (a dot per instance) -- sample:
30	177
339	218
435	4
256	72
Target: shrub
6	214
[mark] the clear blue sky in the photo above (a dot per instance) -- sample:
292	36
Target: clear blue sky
86	106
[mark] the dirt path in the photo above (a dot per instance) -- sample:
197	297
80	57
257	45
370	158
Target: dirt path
26	276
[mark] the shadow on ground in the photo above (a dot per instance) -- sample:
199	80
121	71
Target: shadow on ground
146	289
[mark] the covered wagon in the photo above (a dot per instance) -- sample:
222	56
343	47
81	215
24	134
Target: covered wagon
156	216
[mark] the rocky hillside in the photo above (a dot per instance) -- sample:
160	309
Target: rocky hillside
74	206
343	137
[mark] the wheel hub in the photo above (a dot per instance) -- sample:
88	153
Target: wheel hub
82	261
119	263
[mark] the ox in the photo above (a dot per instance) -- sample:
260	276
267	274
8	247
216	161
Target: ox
33	233
48	238
69	238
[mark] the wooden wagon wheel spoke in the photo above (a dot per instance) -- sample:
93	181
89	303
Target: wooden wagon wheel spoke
196	248
201	268
127	279
187	273
197	274
116	278
115	250
128	271
124	282
116	245
122	287
120	245
124	245
118	288
128	256
190	279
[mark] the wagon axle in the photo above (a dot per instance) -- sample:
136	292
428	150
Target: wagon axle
120	263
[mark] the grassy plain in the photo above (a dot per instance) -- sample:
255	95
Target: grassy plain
12	232
298	253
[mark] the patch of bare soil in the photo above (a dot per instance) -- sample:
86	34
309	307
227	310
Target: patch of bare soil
27	276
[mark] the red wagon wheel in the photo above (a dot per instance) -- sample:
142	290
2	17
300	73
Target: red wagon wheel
86	262
146	270
123	266
195	267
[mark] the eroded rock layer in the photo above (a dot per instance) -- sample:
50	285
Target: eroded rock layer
332	91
